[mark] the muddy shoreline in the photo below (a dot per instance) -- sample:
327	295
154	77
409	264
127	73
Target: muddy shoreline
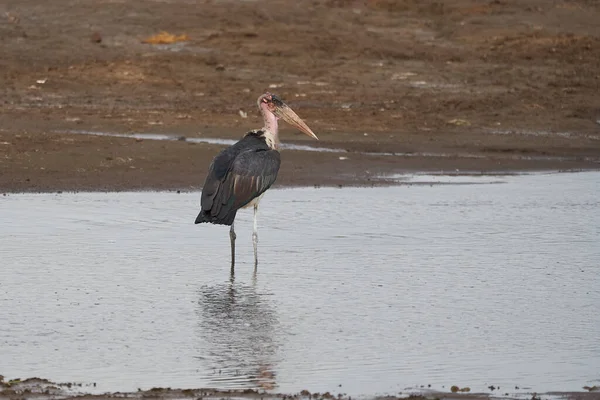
64	161
38	388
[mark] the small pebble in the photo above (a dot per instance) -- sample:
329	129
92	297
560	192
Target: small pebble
96	38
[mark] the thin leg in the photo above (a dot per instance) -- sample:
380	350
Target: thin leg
232	236
255	237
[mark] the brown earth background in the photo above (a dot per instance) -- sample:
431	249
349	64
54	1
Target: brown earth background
493	86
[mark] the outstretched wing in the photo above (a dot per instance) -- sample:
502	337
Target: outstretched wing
234	181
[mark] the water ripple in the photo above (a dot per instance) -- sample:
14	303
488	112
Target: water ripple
373	289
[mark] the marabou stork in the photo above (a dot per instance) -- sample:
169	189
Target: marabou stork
240	174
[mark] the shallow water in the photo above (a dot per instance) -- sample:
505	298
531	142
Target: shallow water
376	290
218	141
319	149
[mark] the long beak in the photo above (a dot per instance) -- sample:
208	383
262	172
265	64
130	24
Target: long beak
289	116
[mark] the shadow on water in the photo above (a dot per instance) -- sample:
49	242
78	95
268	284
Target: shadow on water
237	325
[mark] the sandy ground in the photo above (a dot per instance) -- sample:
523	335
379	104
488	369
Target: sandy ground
42	389
513	82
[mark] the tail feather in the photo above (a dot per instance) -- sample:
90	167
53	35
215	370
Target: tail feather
206	217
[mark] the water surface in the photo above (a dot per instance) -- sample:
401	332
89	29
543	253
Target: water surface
360	291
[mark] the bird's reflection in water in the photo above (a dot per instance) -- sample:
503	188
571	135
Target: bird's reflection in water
236	328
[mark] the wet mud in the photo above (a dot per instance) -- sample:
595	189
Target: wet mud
511	84
43	389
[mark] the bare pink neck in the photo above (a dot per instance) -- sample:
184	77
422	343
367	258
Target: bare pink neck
271	127
270	119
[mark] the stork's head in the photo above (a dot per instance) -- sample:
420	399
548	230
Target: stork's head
269	103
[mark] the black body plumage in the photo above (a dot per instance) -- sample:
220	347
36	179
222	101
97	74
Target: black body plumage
237	175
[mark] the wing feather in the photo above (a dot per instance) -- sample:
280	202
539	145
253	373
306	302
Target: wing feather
253	173
234	180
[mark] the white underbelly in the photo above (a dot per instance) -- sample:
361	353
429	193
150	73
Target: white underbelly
254	201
